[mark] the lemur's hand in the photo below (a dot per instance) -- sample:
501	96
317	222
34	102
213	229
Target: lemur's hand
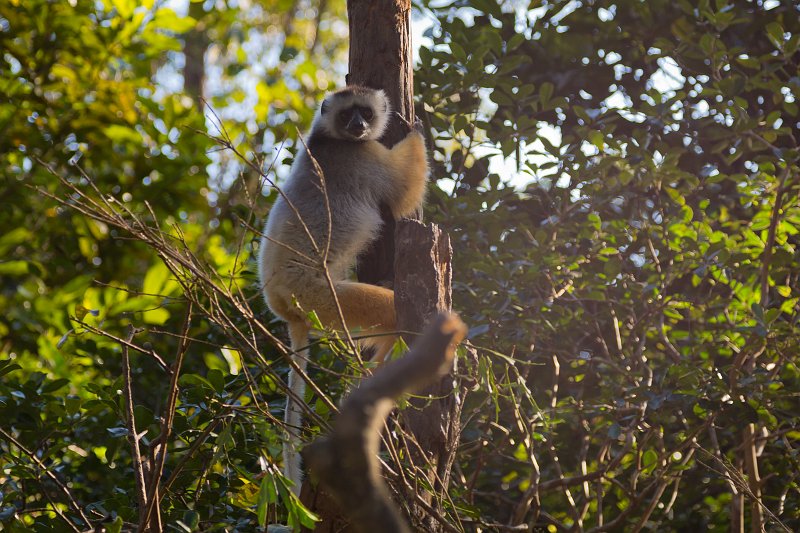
417	126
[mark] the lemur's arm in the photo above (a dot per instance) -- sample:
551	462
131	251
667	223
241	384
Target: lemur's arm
408	164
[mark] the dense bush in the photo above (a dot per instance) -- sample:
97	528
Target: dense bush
645	281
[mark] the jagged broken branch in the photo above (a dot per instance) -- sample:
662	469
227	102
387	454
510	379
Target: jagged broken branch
346	461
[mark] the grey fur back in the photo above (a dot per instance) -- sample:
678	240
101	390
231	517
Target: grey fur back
354	189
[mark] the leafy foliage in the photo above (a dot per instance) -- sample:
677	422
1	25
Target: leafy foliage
645	282
80	100
620	180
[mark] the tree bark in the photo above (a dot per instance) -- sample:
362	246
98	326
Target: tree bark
380	57
423	289
194	51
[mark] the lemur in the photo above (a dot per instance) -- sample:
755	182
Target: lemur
330	208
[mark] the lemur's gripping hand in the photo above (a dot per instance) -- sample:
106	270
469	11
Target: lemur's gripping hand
417	126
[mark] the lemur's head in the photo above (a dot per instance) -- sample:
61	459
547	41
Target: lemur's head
354	113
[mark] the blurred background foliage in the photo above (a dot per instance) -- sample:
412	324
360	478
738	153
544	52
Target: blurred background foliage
620	180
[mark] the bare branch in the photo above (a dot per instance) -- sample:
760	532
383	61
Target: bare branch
346	461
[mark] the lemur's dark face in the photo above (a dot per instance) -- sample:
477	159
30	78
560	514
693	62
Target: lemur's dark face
355	121
355	114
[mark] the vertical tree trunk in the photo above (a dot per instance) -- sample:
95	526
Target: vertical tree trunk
380	57
737	504
423	289
194	51
753	478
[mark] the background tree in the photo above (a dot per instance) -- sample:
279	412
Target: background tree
620	182
643	281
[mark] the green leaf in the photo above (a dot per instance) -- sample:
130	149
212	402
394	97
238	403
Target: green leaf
52	386
124	7
265	491
458	52
118	432
122	134
775	34
596	138
115	526
217	380
157	317
13	268
192	380
155	279
545	92
784	290
169	20
7	366
649	461
13	238
191	519
144	417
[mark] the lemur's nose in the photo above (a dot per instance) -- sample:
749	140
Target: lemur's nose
357	126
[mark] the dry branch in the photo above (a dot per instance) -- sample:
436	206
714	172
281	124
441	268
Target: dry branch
346	461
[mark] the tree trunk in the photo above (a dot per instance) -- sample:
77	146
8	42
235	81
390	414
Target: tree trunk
380	57
194	51
423	289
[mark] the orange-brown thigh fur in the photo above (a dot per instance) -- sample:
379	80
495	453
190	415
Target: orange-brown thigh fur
367	307
363	306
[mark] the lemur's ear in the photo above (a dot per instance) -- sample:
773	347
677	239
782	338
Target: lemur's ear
324	107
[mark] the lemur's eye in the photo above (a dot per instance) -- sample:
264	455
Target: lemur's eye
344	114
367	113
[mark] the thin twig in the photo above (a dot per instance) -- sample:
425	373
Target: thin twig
133	435
125	343
769	244
157	470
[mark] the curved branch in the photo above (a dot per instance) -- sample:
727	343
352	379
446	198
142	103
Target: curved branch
346	461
